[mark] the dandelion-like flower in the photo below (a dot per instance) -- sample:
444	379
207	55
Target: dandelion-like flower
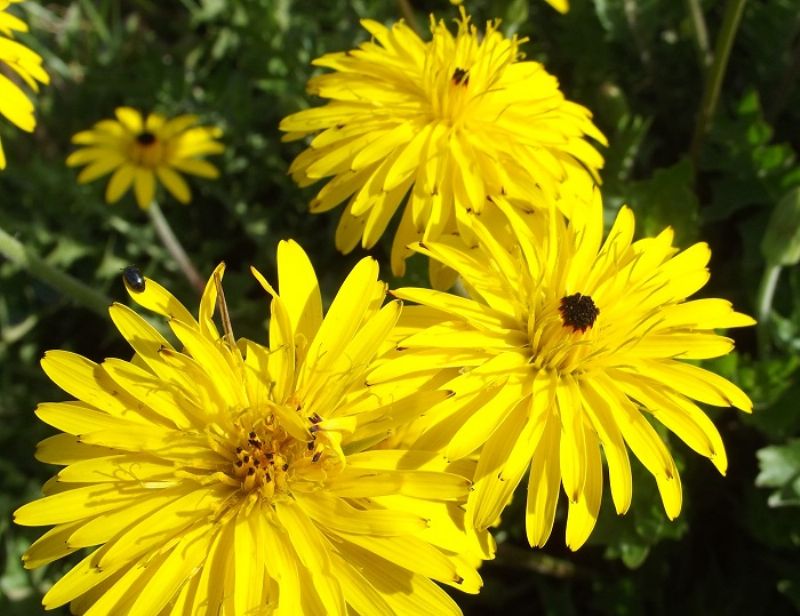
144	150
439	126
567	343
562	6
22	63
233	478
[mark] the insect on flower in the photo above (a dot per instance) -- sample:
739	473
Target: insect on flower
133	278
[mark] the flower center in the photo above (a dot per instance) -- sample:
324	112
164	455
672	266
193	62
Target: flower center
460	73
146	138
561	333
268	462
578	311
146	150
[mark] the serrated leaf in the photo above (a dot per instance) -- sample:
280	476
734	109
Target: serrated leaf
780	468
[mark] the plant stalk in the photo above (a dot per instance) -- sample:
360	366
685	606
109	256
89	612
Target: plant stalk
766	293
408	14
700	33
174	247
17	253
715	76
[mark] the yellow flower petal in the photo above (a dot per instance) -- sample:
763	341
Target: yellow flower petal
174	183
120	182
503	461
299	290
99	168
309	545
130	118
156	298
583	511
144	186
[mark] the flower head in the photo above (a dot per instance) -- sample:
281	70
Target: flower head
234	478
142	150
562	6
568	343
22	63
439	125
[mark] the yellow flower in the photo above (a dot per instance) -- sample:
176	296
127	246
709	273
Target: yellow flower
439	126
565	344
140	150
231	478
23	63
562	6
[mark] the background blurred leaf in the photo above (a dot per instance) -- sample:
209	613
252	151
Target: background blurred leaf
780	468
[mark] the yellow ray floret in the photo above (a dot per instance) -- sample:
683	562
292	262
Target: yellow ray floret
568	343
144	151
433	128
17	64
220	477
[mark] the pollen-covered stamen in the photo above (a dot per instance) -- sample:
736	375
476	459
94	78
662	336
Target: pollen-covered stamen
461	77
578	311
145	138
270	462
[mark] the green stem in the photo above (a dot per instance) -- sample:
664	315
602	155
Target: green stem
766	293
509	555
632	17
700	32
174	247
82	294
716	74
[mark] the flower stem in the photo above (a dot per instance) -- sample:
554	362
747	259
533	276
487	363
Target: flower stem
17	253
700	32
766	293
716	74
174	247
408	15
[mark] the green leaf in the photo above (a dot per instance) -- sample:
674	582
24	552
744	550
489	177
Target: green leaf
667	198
746	167
780	468
781	242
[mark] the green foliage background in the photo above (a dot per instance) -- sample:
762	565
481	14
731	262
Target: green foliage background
243	64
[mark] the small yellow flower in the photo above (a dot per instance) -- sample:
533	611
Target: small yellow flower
23	64
223	477
562	6
438	126
143	150
566	344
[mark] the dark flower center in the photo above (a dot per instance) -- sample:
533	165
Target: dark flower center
146	138
461	77
578	311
